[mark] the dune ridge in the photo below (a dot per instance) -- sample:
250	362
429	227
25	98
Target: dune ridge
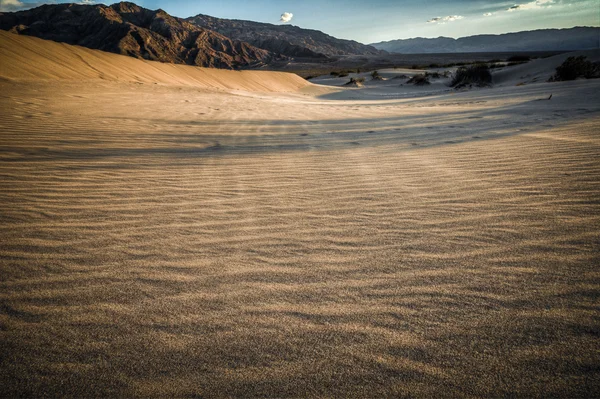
30	58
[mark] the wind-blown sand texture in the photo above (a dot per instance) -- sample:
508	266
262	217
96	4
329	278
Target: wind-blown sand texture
174	240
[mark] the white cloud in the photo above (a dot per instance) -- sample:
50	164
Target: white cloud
533	5
442	20
286	17
11	5
488	14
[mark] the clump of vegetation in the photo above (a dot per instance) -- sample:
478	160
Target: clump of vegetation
403	76
355	82
478	75
437	75
577	67
343	74
375	75
419	80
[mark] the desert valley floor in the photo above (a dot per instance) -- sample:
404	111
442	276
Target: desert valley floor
161	239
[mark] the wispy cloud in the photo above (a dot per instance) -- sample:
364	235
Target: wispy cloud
533	5
12	5
286	17
443	20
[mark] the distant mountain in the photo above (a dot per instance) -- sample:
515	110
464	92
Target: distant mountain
284	39
126	28
578	38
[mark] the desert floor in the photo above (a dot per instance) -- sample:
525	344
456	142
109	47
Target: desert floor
168	241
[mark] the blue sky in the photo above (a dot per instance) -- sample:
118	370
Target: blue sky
378	20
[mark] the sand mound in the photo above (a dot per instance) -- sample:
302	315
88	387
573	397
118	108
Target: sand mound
539	70
27	58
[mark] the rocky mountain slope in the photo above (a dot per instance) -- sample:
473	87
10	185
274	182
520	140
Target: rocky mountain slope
284	39
126	28
578	38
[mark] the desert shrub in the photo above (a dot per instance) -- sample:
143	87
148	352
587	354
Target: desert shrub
419	80
343	74
434	65
375	75
478	74
334	73
415	66
577	67
355	81
519	58
403	76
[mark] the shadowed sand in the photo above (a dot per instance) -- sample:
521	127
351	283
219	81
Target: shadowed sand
175	240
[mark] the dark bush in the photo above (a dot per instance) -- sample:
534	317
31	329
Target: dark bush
375	75
478	75
343	74
577	67
419	80
356	81
334	73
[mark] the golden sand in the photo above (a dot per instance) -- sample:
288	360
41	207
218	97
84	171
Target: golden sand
175	240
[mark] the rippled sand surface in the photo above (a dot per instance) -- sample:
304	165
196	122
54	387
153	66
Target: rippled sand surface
161	241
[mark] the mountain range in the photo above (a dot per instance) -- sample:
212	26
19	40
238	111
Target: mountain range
578	38
202	40
285	39
126	28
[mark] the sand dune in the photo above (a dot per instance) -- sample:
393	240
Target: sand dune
25	58
171	241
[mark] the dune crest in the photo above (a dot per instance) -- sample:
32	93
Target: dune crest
30	58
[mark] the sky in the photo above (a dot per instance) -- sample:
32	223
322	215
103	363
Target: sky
379	20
